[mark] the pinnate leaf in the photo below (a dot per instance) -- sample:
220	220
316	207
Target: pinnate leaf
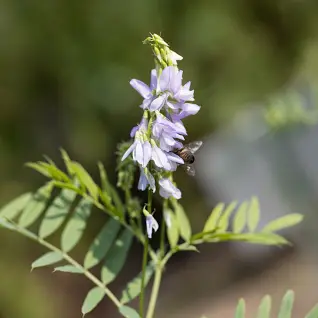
128	312
115	258
264	308
13	208
35	207
93	298
75	227
253	214
69	269
283	222
213	219
239	221
240	309
183	221
172	229
85	180
47	259
313	312
224	220
286	305
56	213
133	288
102	243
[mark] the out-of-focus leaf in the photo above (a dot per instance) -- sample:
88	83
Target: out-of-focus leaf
286	305
35	207
85	180
183	221
240	309
13	208
133	288
67	161
120	209
255	238
172	227
48	170
102	243
128	312
56	213
239	221
68	269
39	168
283	222
224	220
264	308
69	186
47	259
253	214
105	186
93	298
115	258
187	247
212	221
76	225
313	313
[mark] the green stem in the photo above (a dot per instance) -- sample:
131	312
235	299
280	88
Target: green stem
154	292
144	262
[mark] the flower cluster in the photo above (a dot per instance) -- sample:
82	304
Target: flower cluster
166	102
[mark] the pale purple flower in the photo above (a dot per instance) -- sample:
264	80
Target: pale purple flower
186	110
166	131
168	189
151	225
171	81
146	179
151	99
141	151
174	57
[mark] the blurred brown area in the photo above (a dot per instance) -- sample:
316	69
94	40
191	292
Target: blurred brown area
64	82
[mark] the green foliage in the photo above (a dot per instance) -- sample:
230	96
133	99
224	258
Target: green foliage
70	208
264	309
247	215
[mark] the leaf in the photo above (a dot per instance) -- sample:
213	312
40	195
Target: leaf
75	227
214	217
133	288
14	207
128	312
264	308
56	213
69	269
183	221
240	218
39	168
85	179
69	186
286	305
93	298
120	210
240	309
187	247
105	190
172	229
255	238
313	312
224	220
115	258
7	225
253	214
102	243
47	259
35	207
67	161
283	222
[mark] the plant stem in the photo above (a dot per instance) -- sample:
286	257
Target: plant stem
144	262
154	292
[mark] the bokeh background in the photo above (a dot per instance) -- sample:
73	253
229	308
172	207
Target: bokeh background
64	82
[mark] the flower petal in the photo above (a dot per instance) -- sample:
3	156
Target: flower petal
138	153
153	80
142	88
151	225
167	189
175	158
160	159
147	153
129	151
158	103
143	181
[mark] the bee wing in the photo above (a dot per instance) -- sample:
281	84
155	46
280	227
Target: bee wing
190	170
194	146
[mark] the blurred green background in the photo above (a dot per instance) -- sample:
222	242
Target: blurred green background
64	82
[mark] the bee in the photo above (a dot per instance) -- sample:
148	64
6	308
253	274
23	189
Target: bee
187	154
